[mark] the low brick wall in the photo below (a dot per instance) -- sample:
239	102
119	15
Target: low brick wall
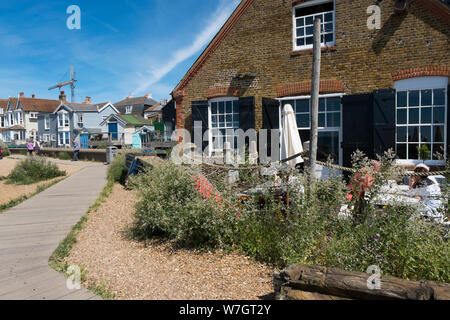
98	155
308	282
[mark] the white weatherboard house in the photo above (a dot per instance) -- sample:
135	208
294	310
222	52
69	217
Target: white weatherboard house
19	118
79	121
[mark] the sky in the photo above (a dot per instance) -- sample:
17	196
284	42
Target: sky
124	47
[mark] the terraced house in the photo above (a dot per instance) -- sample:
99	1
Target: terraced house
79	121
380	88
19	121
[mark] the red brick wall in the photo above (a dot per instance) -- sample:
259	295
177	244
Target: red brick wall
362	61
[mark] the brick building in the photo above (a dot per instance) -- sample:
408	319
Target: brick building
381	88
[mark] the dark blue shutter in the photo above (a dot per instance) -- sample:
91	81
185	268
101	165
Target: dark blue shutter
247	113
200	114
357	127
448	123
383	120
271	120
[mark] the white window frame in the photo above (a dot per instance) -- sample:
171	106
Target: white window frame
80	120
46	137
129	110
65	120
294	24
320	129
33	115
47	122
210	128
423	83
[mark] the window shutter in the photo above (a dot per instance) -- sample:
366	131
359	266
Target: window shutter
271	120
448	123
271	113
247	113
383	120
200	114
357	127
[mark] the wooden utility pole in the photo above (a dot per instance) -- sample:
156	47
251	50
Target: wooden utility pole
315	88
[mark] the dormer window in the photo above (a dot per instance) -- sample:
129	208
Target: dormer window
304	15
129	110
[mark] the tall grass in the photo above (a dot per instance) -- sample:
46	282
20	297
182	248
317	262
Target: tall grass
34	170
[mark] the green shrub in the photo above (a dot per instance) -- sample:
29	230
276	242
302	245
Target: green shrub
33	170
117	170
6	152
309	230
63	155
170	207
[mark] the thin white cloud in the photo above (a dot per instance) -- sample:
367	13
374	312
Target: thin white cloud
216	21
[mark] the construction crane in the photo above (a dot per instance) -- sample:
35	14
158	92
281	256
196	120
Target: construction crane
71	82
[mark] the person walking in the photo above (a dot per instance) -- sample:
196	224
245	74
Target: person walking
37	147
76	150
30	147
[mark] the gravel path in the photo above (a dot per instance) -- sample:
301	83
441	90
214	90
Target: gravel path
155	271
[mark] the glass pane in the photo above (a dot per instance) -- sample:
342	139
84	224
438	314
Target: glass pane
221	107
329	37
229	107
236	117
214	107
328	145
236	106
300	32
402	99
401	116
302	106
309	30
301	42
334	104
413	154
413	134
439	97
229	120
438	151
300	22
424	156
401	151
425	115
438	134
426	98
236	124
309	20
329	27
425	134
401	134
321	105
222	118
303	120
334	119
214	119
321	120
414	98
438	115
309	40
329	17
414	115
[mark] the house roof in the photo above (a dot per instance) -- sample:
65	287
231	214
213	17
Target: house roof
155	108
83	107
38	105
134	120
3	103
16	128
13	102
129	101
436	6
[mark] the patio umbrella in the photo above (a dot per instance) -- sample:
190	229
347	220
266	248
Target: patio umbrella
291	143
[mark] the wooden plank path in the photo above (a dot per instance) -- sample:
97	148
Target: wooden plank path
31	231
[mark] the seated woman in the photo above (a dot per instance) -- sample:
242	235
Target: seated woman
428	191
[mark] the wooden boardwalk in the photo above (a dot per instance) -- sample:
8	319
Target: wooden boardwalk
30	232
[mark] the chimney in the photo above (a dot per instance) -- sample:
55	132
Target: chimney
21	94
33	96
129	97
62	96
88	100
148	95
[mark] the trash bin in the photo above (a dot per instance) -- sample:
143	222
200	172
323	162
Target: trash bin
111	152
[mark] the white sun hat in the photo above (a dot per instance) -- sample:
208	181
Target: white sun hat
423	166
